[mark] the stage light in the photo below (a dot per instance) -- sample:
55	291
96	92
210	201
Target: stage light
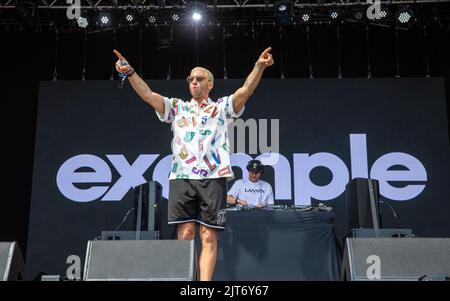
105	18
404	15
175	17
197	10
334	14
196	16
152	18
305	16
283	11
282	8
82	22
384	12
129	17
358	13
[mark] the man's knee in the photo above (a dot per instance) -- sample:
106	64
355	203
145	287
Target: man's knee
186	231
208	235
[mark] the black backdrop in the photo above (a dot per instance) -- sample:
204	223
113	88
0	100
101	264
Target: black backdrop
33	55
96	118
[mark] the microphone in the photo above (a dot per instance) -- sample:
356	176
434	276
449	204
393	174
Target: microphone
122	75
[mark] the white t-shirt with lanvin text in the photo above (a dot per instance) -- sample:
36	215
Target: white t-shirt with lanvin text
255	193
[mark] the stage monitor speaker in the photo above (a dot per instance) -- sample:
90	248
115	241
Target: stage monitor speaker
408	259
139	260
11	262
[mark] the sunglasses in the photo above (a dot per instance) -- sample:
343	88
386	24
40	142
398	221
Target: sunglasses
199	79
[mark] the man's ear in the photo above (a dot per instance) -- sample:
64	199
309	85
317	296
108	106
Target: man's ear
210	85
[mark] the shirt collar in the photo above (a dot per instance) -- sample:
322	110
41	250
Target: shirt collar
204	103
247	180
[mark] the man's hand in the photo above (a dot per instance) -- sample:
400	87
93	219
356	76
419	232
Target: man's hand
122	66
265	59
243	203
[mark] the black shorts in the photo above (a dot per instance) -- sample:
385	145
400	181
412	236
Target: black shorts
201	201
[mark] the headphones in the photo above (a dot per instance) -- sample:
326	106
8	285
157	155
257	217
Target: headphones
261	167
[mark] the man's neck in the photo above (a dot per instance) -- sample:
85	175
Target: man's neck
199	100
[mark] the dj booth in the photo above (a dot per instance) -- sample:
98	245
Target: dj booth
278	244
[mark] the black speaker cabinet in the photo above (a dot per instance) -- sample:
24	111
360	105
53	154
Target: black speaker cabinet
146	200
410	259
11	262
139	260
362	200
150	211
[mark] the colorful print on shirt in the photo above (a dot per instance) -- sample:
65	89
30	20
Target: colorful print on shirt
200	145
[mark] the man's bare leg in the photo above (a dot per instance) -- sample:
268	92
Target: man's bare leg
186	231
208	256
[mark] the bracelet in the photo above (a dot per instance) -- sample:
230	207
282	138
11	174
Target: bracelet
130	72
237	203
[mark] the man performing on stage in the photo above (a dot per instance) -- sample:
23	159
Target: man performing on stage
201	154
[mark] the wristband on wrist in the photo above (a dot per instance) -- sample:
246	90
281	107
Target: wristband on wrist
130	72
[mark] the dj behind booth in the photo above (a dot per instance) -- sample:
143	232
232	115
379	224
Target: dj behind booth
252	191
264	241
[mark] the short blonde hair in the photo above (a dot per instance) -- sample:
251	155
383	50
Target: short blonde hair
208	73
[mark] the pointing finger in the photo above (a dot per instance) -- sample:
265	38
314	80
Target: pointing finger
117	53
267	50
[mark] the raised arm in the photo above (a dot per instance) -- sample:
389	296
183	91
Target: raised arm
141	88
241	96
